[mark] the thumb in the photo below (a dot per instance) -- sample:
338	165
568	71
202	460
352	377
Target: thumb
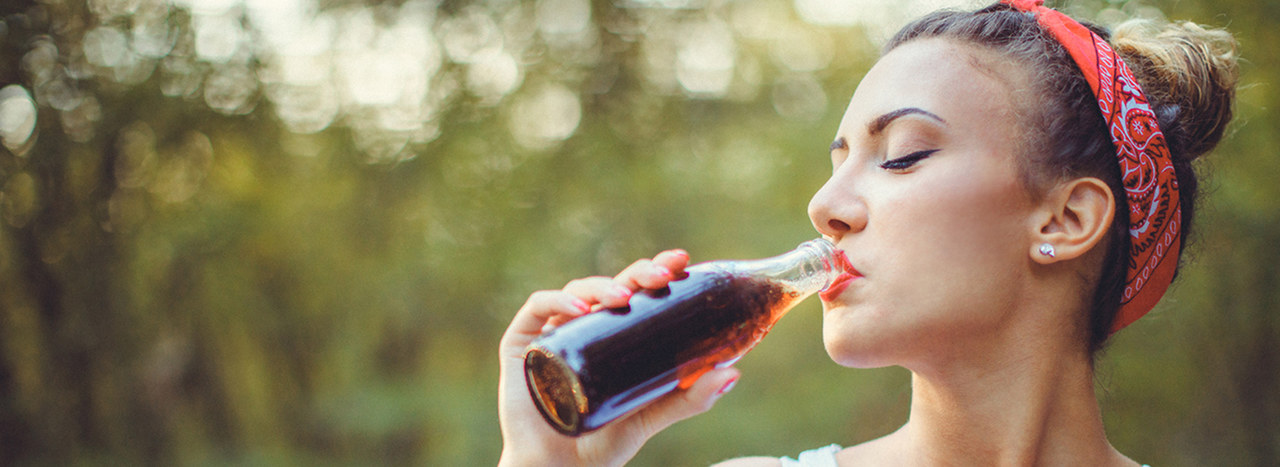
684	404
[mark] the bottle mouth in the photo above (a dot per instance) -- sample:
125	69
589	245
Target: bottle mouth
833	258
837	262
843	265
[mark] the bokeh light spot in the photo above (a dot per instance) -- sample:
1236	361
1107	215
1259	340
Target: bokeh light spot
493	75
705	61
106	47
466	35
17	119
218	37
304	109
546	117
230	90
563	17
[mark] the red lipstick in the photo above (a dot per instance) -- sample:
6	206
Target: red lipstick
847	275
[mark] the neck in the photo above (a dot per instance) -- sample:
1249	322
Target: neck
1033	406
1019	393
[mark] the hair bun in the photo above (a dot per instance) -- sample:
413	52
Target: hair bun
1189	74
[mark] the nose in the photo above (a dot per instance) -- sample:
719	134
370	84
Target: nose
836	210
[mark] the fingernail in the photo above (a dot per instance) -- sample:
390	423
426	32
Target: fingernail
728	386
581	305
664	272
621	292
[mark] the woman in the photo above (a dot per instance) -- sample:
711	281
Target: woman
1010	196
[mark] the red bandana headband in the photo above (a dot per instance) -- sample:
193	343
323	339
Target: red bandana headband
1155	214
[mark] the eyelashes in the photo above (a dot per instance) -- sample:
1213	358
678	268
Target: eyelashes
905	162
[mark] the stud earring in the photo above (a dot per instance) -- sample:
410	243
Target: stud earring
1046	249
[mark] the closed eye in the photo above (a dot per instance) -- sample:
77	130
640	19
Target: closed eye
905	162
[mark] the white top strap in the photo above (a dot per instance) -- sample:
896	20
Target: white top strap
820	457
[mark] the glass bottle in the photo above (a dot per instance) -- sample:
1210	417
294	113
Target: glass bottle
603	365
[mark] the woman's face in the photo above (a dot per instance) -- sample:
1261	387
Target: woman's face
926	200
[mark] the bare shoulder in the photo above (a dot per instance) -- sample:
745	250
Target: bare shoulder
751	462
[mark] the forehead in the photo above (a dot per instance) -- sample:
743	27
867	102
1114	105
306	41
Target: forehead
966	85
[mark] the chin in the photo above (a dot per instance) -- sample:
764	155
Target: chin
860	360
854	346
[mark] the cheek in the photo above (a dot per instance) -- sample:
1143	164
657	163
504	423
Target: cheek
963	244
971	217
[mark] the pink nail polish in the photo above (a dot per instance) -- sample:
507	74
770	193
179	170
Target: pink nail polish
727	387
581	305
622	292
664	272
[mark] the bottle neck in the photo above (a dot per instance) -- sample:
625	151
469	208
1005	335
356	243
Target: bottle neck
808	269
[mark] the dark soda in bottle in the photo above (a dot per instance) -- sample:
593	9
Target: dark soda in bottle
604	365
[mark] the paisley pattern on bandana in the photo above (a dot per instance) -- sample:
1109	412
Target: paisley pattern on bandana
1146	166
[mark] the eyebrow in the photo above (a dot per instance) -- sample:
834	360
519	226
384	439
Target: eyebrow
880	123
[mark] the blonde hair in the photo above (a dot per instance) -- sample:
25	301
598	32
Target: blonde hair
1185	65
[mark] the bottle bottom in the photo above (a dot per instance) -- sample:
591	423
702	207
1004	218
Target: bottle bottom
556	391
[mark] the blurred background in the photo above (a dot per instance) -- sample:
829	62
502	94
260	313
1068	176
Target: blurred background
292	231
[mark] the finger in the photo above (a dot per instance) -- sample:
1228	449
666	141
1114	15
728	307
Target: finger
673	260
541	307
599	290
699	398
645	274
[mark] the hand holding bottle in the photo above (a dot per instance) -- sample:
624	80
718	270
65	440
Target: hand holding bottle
527	438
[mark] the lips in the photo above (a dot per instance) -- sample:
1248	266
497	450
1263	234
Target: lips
841	281
837	286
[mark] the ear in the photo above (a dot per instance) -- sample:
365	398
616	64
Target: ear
1072	218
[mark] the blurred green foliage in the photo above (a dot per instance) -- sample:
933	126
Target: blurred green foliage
292	232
